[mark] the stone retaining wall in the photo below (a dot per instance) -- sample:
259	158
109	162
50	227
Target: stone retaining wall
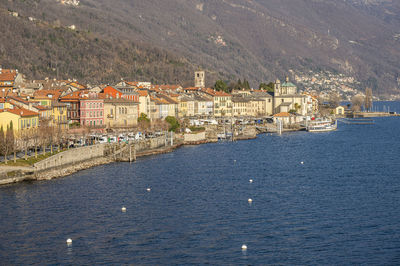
195	137
71	156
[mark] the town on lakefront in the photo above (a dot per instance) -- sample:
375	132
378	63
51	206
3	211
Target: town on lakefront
51	128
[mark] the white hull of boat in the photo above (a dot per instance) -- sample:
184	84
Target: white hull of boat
322	127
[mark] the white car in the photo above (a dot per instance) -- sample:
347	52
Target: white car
139	136
102	140
131	137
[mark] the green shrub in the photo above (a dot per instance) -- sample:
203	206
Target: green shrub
173	123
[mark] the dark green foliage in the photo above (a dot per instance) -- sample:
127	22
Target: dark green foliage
197	129
173	123
246	85
220	85
268	87
143	118
235	86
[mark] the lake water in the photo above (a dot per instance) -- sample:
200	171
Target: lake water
341	207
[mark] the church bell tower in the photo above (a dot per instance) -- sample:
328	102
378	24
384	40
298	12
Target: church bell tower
199	79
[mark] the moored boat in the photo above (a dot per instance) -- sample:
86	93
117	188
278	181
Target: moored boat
322	126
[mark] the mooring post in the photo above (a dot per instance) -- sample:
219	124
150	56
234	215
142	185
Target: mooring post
130	153
134	152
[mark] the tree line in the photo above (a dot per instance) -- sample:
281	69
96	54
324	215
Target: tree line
228	87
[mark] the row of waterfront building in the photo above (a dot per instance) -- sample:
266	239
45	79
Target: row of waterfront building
63	103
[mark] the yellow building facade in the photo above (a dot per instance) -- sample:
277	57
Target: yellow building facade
21	119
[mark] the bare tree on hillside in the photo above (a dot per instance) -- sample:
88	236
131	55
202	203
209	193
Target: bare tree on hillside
368	99
356	103
334	99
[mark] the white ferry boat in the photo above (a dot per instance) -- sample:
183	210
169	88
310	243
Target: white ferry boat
322	125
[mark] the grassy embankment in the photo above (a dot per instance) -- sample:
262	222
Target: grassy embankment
30	160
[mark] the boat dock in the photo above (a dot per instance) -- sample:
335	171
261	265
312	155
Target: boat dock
357	121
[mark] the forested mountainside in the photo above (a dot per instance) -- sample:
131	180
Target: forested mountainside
39	49
254	39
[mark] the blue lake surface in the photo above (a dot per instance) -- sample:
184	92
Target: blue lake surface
341	207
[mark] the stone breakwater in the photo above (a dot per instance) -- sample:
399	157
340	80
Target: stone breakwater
68	170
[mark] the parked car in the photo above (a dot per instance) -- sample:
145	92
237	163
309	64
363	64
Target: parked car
139	136
159	133
112	139
122	138
150	135
80	143
102	140
131	137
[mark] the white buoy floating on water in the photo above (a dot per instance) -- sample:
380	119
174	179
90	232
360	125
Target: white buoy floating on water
302	162
123	209
251	180
250	200
69	241
244	247
148	189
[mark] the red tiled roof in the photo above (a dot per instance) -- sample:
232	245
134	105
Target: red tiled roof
21	112
7	76
168	99
169	87
110	87
132	83
18	99
44	93
41	107
143	93
215	93
74	95
282	114
158	100
77	85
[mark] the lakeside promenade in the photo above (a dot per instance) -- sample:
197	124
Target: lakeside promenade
58	165
73	160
